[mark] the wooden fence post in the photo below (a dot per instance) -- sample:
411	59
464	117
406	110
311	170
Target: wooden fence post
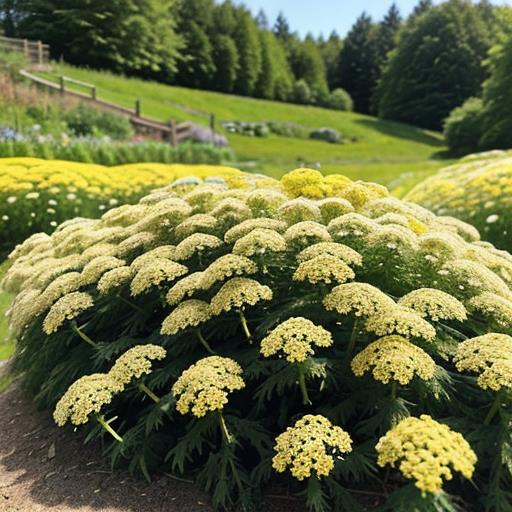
172	134
212	127
40	52
93	93
137	108
62	85
25	48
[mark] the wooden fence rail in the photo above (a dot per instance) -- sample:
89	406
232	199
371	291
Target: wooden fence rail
36	52
171	131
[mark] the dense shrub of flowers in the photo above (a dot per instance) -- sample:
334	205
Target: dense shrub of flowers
37	195
478	190
314	333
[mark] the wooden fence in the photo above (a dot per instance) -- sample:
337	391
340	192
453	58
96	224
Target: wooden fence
36	52
171	131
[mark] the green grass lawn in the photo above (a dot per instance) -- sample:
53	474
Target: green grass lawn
383	151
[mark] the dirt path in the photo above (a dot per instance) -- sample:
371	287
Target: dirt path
73	478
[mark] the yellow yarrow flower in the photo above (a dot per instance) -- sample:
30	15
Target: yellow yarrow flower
114	279
434	304
196	243
189	313
342	252
495	309
135	362
239	292
245	227
185	287
227	266
259	241
205	386
311	447
295	339
393	358
427	452
84	397
490	356
305	233
323	268
68	307
155	273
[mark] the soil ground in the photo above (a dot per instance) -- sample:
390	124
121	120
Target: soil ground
45	468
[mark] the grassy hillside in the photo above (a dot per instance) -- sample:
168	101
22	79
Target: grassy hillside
383	151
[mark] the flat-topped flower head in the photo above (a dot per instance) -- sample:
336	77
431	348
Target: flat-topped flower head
157	272
489	356
165	252
135	244
400	320
231	211
495	309
67	308
427	452
434	304
311	447
189	313
227	266
184	288
342	252
332	207
394	240
303	182
62	285
135	362
245	227
238	293
206	385
299	210
265	201
295	339
441	246
361	299
351	226
198	223
463	229
323	268
393	358
306	233
114	279
84	397
165	214
196	243
467	277
260	241
92	272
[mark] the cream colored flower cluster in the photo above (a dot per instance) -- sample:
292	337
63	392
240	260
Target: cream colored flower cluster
434	304
489	356
188	314
238	293
66	308
295	338
311	447
205	386
393	358
324	268
427	452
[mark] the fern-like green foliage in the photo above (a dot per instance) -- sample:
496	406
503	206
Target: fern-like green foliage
312	307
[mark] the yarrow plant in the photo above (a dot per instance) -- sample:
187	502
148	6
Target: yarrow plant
311	330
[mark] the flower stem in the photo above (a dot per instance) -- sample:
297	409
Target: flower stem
82	335
131	304
205	344
302	385
108	428
244	325
148	392
494	408
224	428
394	387
352	342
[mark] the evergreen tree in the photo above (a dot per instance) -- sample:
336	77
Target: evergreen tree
330	50
422	7
497	97
282	28
129	36
358	64
262	20
223	19
436	66
386	37
248	44
226	59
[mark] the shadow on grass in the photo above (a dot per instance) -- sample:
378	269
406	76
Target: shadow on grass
404	131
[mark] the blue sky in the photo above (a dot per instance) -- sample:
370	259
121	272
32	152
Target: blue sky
322	16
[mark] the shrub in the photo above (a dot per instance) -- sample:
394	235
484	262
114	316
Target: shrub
349	338
37	195
478	189
339	99
301	93
326	134
463	127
